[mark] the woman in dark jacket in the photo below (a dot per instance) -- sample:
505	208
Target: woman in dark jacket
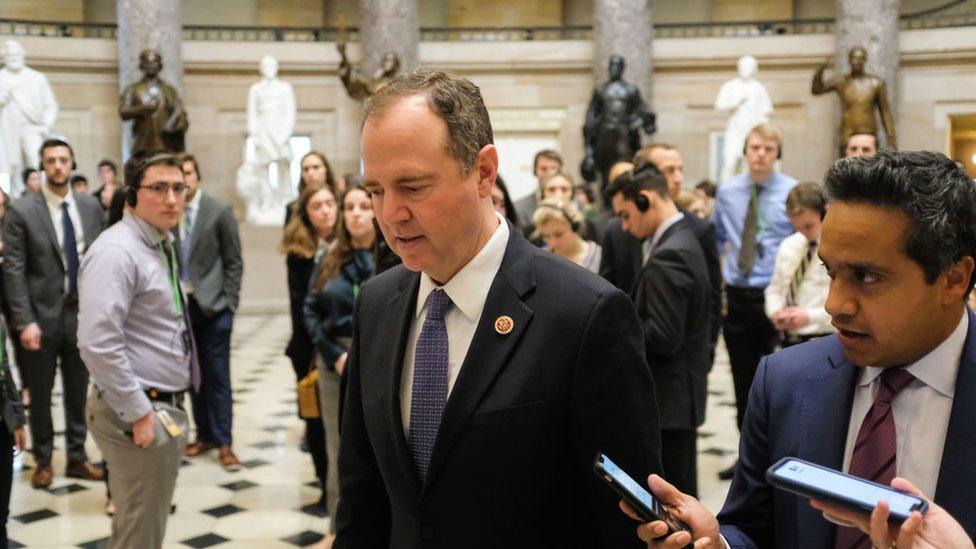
12	433
307	237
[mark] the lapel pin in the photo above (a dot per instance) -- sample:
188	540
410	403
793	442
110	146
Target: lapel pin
504	325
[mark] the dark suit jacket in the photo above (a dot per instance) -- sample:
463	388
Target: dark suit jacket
672	297
300	349
216	266
513	463
705	234
33	268
800	405
620	264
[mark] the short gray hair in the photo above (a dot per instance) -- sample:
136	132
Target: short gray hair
454	99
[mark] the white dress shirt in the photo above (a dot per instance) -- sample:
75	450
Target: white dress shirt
648	245
813	290
921	411
54	208
468	290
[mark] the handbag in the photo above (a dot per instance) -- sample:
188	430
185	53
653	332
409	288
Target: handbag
308	395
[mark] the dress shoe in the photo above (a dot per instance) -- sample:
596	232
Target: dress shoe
198	448
84	470
228	460
727	474
43	477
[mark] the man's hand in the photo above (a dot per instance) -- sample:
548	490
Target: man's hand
142	430
20	438
704	526
30	337
936	529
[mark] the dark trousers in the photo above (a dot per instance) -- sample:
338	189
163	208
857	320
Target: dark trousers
212	406
749	336
6	478
679	456
60	346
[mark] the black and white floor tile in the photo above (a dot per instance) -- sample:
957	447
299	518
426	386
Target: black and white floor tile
265	504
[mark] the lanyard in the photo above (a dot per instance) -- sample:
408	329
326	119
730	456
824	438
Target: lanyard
760	222
173	278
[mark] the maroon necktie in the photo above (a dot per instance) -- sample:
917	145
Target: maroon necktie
873	457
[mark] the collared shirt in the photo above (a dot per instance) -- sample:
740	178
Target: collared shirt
54	202
812	295
191	209
130	333
468	290
648	245
731	205
921	410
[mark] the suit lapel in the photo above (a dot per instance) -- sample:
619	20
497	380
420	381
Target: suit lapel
489	350
825	412
200	216
957	476
401	308
44	214
90	220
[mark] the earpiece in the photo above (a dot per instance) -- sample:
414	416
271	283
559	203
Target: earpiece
642	203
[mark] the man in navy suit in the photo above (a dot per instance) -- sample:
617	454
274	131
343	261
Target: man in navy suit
893	393
484	374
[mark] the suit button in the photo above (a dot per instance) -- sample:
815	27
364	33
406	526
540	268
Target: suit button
426	532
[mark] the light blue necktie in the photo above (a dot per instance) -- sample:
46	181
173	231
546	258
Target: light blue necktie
429	394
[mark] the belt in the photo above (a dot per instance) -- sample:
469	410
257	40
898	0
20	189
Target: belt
173	399
69	301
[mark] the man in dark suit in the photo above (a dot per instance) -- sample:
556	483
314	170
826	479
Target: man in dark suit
672	298
210	271
45	234
893	394
484	374
620	263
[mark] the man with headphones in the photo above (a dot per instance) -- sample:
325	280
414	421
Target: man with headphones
45	236
673	297
137	342
750	223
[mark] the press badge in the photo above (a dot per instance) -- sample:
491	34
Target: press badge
171	427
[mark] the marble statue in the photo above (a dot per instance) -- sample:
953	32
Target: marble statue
28	110
359	87
749	104
159	122
270	122
860	94
616	115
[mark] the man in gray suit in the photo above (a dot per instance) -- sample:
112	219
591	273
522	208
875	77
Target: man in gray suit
45	235
210	272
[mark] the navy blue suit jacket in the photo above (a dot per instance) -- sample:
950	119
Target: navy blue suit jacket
800	405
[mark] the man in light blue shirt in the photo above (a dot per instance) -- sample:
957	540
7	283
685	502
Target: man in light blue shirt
750	223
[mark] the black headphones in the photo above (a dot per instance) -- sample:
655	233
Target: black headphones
55	142
642	203
574	225
779	149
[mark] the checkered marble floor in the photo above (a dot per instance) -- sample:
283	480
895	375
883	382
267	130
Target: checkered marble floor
261	505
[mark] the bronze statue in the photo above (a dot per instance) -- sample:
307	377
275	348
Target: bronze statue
614	119
859	93
360	88
159	122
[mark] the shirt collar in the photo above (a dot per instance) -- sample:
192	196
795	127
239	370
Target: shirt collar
149	234
195	202
54	201
468	289
937	369
664	227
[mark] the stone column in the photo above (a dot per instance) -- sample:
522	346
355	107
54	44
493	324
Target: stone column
623	27
142	24
389	26
873	25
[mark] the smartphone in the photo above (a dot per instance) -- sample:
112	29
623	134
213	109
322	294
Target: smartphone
850	492
645	504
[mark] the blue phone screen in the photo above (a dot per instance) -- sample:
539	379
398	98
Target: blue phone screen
630	484
868	494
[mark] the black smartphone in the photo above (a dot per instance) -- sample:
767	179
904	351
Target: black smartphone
837	488
646	505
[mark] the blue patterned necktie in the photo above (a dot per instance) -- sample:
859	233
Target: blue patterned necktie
70	250
429	394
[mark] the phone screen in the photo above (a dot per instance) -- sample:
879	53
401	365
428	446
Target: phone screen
631	485
833	482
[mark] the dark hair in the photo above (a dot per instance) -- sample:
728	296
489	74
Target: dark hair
329	176
341	250
108	163
510	212
455	100
77	178
938	198
806	195
645	177
25	173
157	159
187	157
52	142
547	153
707	186
643	154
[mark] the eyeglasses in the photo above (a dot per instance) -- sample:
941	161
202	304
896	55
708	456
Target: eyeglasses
162	189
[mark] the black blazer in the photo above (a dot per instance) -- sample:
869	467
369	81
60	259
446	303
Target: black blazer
620	263
300	348
705	234
512	466
673	297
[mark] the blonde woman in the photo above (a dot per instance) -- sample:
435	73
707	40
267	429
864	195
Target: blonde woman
561	226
